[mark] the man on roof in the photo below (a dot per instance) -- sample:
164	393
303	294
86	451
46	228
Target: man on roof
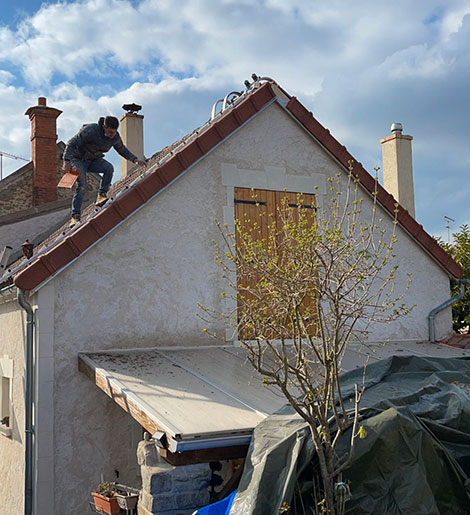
84	153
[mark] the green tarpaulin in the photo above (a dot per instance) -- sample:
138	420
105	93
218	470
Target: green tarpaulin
415	458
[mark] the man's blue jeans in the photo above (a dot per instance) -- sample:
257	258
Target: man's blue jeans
100	166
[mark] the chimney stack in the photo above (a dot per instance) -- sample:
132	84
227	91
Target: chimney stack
44	151
398	167
132	134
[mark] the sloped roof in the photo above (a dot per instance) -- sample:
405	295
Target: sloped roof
164	167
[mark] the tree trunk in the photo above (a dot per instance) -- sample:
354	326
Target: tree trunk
327	479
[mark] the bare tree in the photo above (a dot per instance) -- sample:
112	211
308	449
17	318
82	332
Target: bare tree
308	280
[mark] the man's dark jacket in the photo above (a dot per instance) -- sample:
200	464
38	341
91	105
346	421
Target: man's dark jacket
91	143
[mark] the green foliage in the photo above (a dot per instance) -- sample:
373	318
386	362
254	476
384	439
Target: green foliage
459	249
106	489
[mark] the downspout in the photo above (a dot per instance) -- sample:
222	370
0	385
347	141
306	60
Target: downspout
29	375
447	303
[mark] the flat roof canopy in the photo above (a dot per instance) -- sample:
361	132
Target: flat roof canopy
207	397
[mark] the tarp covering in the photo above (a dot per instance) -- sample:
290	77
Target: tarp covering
414	459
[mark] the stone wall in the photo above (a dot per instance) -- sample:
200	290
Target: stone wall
168	490
18	194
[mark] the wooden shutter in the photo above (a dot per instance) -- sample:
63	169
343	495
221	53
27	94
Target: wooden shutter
254	211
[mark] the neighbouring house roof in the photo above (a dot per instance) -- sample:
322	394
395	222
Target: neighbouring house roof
208	397
34	224
142	184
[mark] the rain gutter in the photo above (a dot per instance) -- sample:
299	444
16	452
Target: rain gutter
29	374
447	303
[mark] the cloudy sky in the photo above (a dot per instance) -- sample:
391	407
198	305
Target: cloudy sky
358	66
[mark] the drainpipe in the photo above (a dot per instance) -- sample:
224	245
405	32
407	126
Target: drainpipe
28	482
447	303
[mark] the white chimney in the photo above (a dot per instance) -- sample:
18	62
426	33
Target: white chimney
132	134
398	167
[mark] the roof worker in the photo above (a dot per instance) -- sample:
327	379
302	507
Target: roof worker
84	153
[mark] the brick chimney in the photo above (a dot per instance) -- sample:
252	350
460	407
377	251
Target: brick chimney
398	167
44	151
132	134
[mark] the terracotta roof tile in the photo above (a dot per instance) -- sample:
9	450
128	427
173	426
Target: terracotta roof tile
165	166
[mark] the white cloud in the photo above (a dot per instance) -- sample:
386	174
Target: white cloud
6	77
357	66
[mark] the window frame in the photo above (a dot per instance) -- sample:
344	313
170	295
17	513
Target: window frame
6	395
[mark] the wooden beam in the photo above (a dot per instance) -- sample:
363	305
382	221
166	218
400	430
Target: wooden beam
120	398
204	455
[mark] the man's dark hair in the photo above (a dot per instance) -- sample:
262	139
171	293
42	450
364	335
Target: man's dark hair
111	122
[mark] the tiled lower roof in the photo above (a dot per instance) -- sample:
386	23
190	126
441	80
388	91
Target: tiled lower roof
142	184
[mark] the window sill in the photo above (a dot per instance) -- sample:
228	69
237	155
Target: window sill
5	431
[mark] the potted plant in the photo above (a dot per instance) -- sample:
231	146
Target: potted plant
105	498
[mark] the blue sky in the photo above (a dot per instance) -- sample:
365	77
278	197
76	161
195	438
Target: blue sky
358	66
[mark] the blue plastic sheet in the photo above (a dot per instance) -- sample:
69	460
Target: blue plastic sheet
218	508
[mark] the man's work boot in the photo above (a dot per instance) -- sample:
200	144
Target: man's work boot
74	220
101	199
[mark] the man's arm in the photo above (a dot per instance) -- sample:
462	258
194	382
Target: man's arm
123	151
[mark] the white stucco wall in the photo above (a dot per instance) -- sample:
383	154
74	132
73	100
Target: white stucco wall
141	286
12	449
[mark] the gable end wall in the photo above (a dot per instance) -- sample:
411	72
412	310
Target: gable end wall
140	286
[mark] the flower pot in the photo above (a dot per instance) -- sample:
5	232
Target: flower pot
127	502
108	505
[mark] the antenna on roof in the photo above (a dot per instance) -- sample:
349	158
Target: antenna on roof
11	156
448	219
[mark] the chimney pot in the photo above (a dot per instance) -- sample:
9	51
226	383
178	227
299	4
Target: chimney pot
27	247
42	101
396	128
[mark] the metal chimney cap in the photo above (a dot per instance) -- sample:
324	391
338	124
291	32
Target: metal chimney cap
132	108
396	128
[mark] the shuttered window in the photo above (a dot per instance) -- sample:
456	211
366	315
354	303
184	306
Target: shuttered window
255	210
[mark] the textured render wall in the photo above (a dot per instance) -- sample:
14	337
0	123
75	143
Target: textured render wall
11	449
92	436
140	287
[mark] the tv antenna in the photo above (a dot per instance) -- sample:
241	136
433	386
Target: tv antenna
11	156
448	220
